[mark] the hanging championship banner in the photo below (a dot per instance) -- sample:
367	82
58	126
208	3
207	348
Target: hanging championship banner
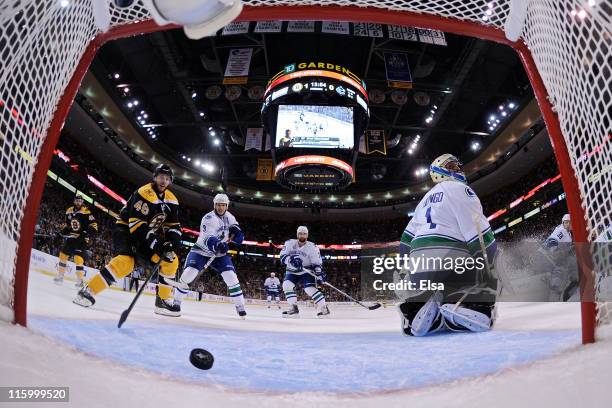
238	62
402	33
236	28
431	36
362	145
335	27
375	142
268	143
264	169
301	27
253	139
367	30
398	70
268	26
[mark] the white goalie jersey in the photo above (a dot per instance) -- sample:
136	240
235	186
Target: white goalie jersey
447	223
309	253
215	226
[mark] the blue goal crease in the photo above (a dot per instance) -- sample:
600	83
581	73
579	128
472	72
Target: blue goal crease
298	362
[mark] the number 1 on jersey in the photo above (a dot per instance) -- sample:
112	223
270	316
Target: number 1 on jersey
428	216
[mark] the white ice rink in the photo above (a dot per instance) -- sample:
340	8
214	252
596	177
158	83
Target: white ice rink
355	358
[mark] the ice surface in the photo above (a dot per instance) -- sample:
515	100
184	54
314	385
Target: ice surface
357	357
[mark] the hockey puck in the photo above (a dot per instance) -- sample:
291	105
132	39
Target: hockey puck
201	358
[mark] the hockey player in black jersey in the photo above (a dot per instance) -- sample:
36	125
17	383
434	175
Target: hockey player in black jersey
147	232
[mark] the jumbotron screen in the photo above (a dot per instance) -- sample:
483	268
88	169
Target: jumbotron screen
310	126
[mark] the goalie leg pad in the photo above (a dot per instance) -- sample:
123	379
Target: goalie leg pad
470	317
421	318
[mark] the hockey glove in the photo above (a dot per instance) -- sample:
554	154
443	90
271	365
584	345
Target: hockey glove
221	248
168	252
236	234
296	262
319	274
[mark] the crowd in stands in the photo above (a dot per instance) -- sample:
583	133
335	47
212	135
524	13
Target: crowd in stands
252	270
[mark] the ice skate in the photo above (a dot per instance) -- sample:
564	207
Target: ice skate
241	312
165	308
84	298
292	312
323	311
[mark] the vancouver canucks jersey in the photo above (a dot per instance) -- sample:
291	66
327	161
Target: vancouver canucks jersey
446	224
272	284
559	236
79	220
214	226
309	253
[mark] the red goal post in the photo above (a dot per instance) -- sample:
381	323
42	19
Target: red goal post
47	47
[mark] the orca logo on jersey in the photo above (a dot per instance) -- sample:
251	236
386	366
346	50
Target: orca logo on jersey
470	192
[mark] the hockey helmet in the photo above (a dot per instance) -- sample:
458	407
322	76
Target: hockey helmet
221	199
440	172
164	169
302	230
566	217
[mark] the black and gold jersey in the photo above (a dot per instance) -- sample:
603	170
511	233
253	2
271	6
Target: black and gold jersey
79	220
146	210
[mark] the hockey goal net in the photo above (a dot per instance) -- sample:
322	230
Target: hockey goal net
565	46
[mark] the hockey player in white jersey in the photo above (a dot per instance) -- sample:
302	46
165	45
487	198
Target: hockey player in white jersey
217	228
272	286
562	234
301	256
449	224
558	257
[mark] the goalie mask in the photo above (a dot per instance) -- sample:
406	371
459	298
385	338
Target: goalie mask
447	167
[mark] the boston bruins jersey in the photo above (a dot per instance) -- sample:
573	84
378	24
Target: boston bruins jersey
79	220
147	210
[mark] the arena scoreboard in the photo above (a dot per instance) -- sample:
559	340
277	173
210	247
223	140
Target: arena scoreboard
314	113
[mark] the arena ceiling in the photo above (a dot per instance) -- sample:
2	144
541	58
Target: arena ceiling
176	83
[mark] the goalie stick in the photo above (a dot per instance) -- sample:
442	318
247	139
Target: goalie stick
346	295
487	268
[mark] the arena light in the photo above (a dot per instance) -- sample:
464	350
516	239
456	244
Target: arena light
475	146
64	3
116	75
208	167
194	95
201	114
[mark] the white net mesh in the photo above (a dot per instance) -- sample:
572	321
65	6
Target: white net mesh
41	43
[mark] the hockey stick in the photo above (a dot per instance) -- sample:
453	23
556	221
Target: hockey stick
486	259
346	295
126	312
